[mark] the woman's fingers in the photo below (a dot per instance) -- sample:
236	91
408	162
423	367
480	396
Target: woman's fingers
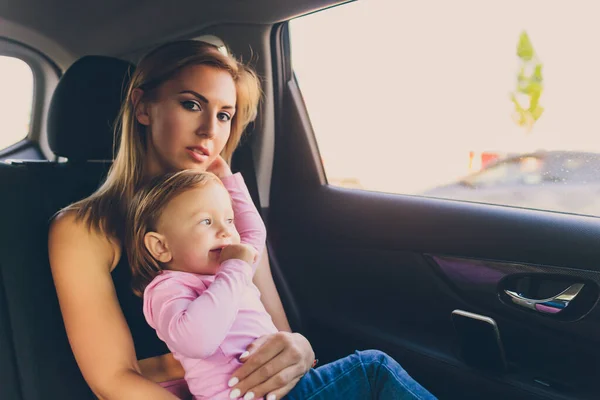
279	393
260	353
256	344
219	167
274	365
273	368
278	385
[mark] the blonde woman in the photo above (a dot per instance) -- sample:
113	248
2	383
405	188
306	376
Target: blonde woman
186	104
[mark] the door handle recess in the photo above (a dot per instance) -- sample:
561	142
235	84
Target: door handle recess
552	305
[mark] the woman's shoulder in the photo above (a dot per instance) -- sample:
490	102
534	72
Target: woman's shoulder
71	237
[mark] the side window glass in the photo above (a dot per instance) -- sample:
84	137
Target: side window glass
16	100
473	101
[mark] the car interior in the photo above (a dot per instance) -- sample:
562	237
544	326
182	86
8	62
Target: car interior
355	269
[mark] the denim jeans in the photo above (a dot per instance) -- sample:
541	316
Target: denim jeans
364	375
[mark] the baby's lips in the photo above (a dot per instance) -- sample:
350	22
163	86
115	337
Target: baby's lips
219	248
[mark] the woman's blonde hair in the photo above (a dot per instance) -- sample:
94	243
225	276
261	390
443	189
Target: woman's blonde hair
143	215
105	209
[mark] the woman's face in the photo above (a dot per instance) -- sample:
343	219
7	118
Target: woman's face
188	119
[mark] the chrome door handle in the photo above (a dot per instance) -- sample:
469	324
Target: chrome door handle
552	305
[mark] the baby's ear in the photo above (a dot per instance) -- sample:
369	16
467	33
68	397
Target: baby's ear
158	247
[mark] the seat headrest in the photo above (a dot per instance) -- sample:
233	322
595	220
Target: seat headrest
85	106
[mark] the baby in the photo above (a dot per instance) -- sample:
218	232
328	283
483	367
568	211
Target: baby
193	245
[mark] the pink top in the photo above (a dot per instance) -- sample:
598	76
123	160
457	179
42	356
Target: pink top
207	321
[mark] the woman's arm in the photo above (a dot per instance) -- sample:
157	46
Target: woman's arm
81	261
263	279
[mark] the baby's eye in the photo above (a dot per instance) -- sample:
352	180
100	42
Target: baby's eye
205	221
230	221
190	105
224	117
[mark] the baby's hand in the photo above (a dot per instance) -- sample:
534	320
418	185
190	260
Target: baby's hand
240	251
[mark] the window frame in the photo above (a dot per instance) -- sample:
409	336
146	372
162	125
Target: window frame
45	78
288	92
291	95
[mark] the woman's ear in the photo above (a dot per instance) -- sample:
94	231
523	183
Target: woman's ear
158	247
140	107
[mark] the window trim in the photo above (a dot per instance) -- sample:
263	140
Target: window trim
289	95
45	78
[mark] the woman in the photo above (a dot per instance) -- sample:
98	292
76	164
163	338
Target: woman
186	107
173	118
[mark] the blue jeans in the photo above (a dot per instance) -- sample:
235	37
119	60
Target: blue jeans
364	375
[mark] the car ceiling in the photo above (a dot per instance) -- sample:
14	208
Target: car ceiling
115	27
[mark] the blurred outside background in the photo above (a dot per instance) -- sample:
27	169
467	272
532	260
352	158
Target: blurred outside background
423	97
16	100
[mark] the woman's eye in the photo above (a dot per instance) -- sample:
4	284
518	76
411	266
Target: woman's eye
224	117
190	105
205	222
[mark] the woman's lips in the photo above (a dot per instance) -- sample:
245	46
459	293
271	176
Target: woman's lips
197	154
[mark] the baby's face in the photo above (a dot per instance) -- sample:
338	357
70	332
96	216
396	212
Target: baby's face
196	225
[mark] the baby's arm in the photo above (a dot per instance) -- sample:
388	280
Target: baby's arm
247	219
192	325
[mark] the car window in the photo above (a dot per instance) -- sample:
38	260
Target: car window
476	101
574	168
507	172
16	100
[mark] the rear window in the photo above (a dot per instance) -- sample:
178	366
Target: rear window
16	100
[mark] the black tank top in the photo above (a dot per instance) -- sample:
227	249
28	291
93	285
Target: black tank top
147	344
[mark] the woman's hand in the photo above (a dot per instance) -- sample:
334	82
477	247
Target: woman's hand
219	167
273	366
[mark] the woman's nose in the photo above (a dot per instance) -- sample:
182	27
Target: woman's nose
207	127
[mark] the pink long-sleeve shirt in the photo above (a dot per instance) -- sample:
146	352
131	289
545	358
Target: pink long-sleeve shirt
207	321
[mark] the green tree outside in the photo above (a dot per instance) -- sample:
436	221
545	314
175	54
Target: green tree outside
530	85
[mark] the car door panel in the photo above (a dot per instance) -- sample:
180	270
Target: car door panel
366	269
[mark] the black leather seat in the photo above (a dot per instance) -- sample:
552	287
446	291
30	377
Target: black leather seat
36	361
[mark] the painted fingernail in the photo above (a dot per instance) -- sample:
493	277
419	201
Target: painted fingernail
271	397
235	393
245	354
233	381
249	396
